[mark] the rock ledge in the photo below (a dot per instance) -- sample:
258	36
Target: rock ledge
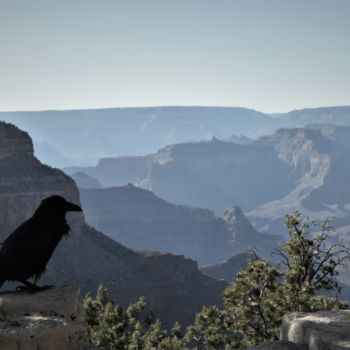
53	319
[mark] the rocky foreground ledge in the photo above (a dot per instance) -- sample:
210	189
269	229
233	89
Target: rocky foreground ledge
325	330
52	319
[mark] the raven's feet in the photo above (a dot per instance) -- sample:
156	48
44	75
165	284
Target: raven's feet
31	288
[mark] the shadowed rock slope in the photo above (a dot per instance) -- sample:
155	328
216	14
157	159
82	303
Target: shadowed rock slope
174	286
228	269
142	221
139	219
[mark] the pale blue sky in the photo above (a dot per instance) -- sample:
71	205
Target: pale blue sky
270	55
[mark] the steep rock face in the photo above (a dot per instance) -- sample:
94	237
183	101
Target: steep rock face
174	286
24	181
52	319
142	221
14	141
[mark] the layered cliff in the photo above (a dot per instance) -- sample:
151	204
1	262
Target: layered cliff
212	174
320	165
301	168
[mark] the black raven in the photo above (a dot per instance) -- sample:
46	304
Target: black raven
26	252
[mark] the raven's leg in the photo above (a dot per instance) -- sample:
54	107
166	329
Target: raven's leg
30	287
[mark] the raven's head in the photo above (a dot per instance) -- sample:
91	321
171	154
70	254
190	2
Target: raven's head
58	205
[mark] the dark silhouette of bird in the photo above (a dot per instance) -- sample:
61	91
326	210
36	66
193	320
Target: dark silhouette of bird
26	252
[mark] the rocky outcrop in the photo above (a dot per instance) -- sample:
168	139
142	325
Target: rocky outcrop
52	319
14	141
24	181
325	330
245	237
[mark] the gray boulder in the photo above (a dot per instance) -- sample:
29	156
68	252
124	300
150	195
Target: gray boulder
325	330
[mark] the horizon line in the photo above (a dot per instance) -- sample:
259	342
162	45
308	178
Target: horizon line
166	106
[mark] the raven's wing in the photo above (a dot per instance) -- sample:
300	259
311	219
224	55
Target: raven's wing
27	246
21	237
14	246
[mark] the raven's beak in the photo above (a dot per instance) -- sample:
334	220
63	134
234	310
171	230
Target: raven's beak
72	207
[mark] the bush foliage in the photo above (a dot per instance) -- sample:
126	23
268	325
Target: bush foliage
253	305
